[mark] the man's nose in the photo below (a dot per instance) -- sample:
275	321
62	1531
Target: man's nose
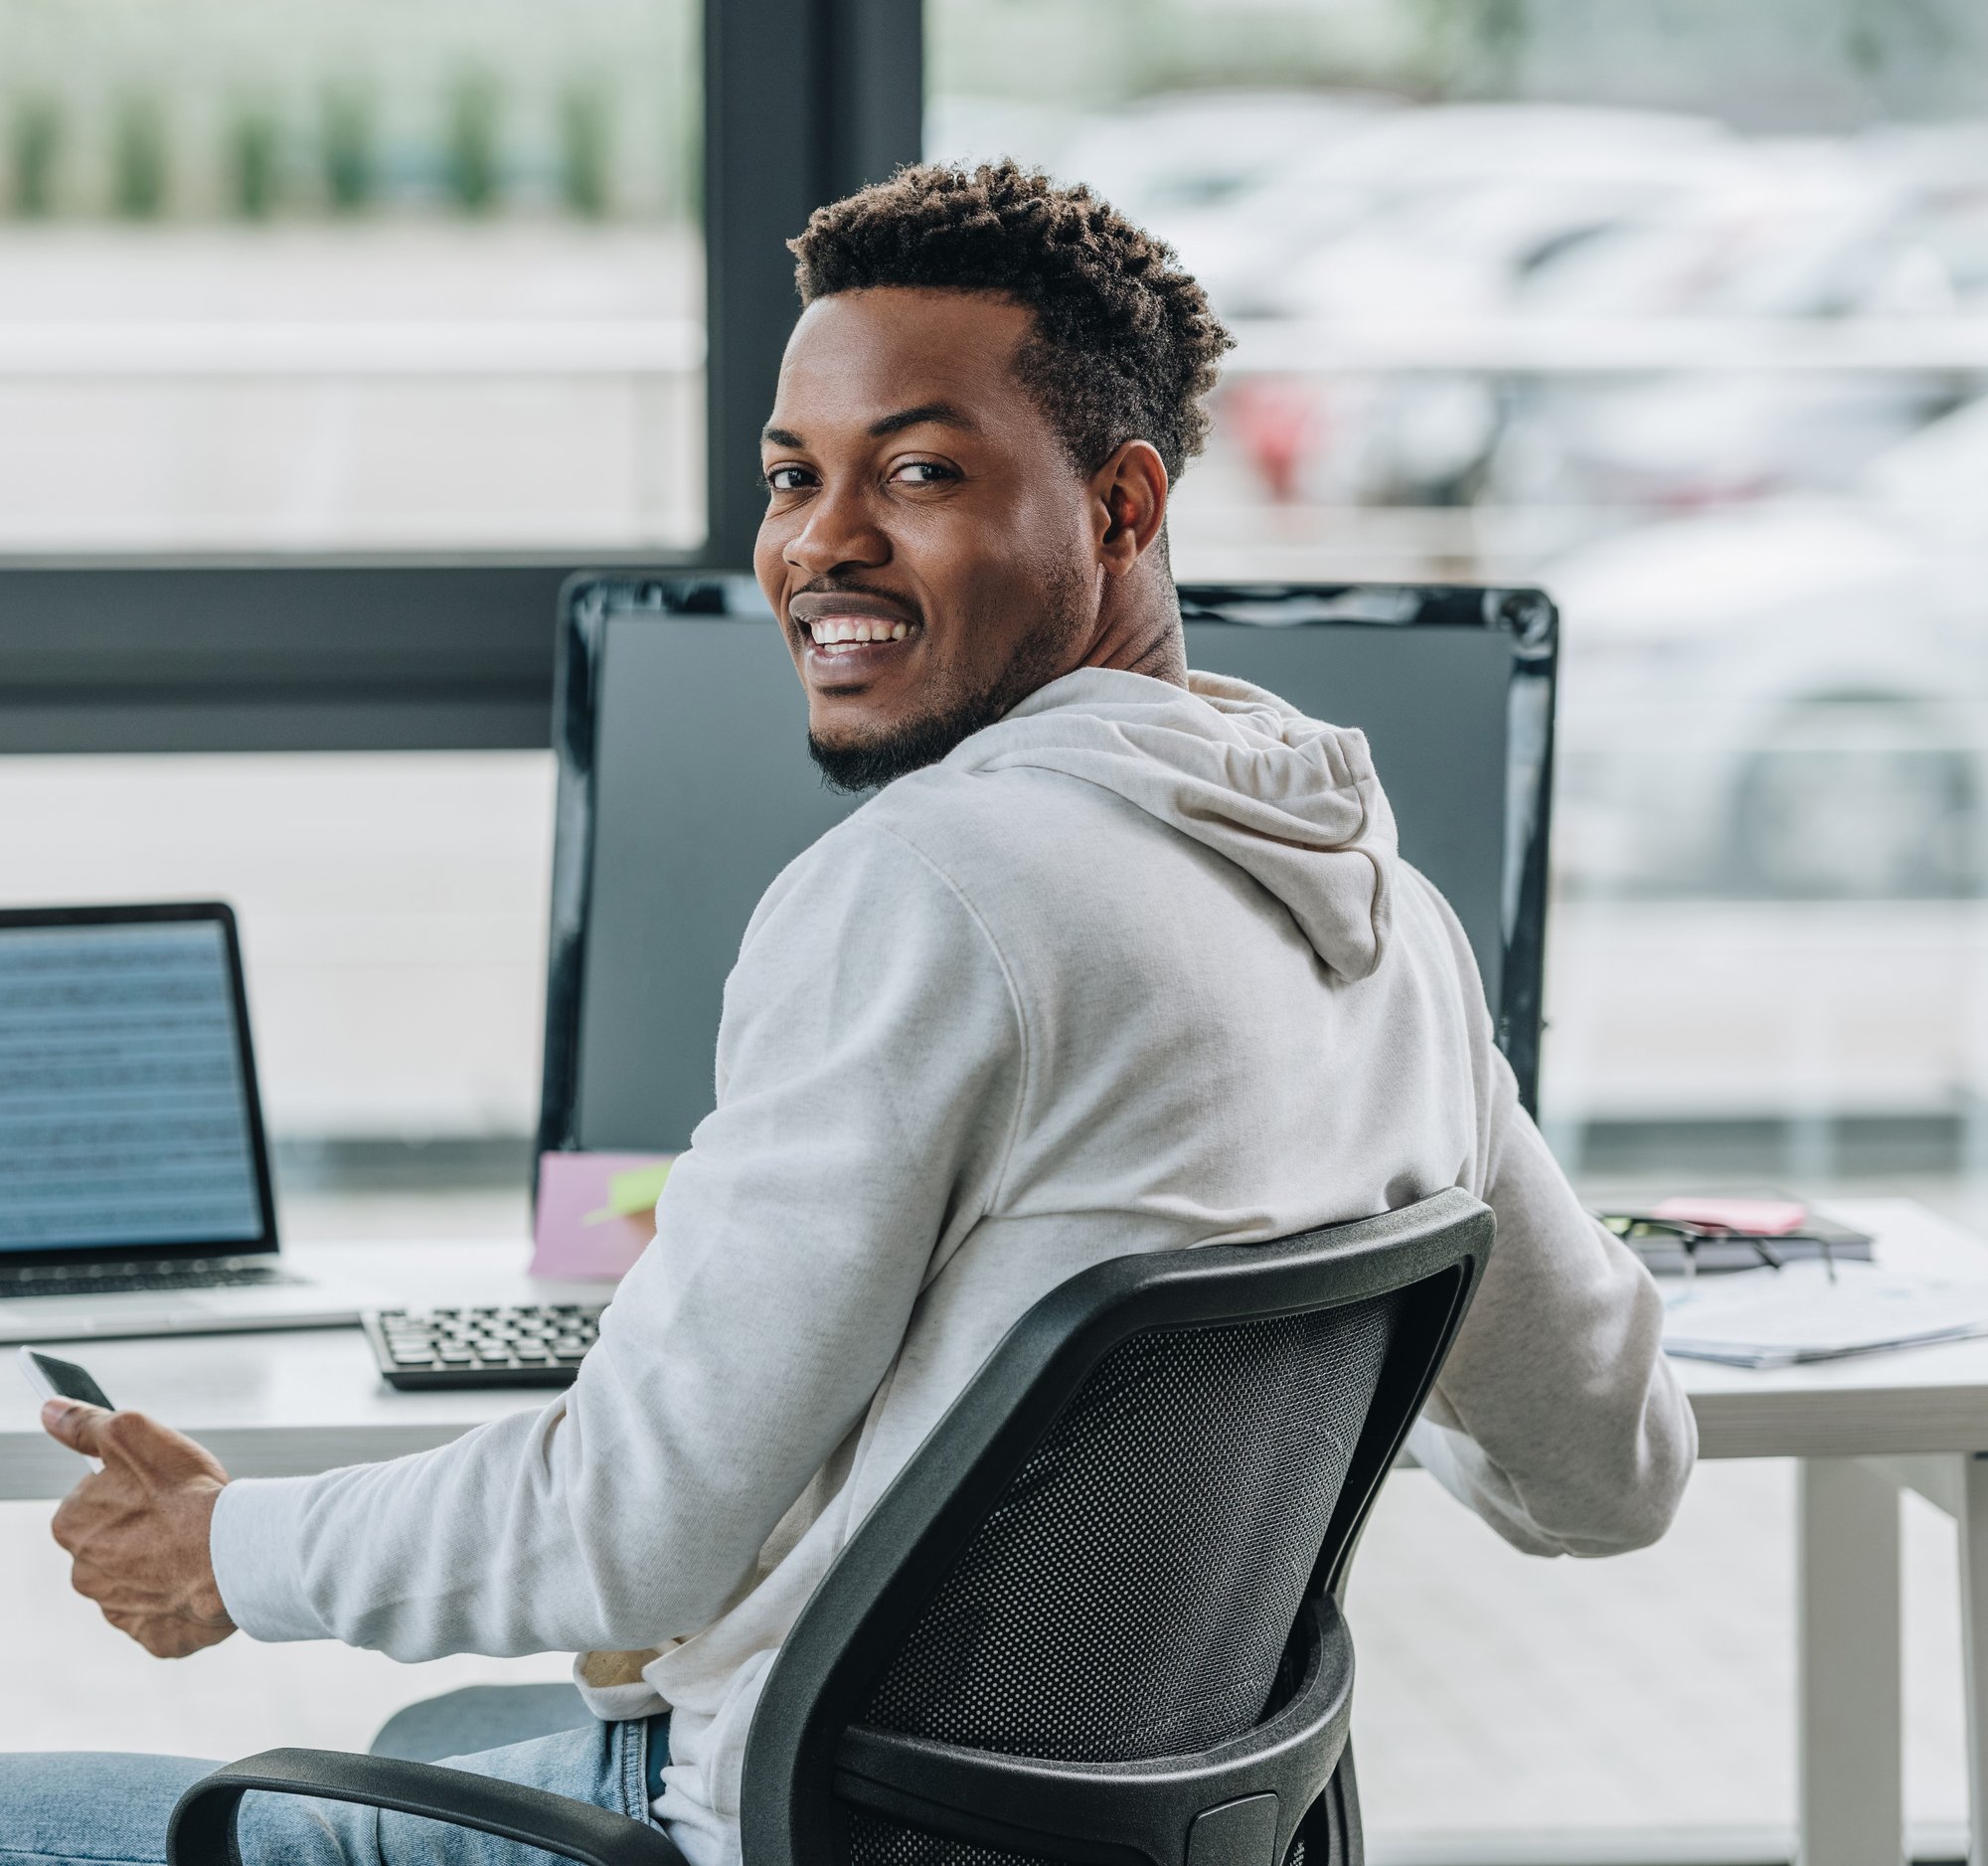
840	530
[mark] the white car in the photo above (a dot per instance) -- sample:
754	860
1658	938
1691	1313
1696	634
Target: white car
1439	213
1209	171
1782	702
1801	231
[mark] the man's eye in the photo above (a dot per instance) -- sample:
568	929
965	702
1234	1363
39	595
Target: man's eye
923	472
787	478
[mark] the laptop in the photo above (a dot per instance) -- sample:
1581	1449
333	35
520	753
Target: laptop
134	1175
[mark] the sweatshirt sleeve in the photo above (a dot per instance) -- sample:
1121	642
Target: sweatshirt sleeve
1556	1418
871	1062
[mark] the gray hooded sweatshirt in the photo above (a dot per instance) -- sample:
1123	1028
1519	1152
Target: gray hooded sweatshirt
1132	969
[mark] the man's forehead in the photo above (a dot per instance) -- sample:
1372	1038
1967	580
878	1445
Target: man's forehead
859	357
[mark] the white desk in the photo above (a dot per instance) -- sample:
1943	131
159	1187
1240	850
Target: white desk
1865	1429
287	1403
273	1405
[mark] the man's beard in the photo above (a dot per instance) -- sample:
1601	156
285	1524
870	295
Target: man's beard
870	764
912	744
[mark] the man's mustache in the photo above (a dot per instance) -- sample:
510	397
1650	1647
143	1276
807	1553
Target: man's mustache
895	600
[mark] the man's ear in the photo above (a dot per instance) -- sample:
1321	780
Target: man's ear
1128	495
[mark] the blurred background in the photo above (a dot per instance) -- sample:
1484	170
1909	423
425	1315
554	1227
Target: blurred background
1676	307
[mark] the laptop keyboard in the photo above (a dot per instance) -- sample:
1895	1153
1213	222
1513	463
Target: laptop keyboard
141	1278
530	1345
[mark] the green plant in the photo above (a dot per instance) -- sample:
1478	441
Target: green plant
473	149
256	159
35	155
1880	36
346	147
585	150
139	159
1475	46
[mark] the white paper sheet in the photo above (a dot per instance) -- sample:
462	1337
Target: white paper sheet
1778	1318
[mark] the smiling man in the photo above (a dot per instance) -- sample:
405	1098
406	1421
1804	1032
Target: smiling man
1120	958
932	574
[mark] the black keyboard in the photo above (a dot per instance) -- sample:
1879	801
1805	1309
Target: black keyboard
142	1279
535	1345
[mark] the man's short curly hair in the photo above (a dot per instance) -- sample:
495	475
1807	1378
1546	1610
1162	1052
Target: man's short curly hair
1125	347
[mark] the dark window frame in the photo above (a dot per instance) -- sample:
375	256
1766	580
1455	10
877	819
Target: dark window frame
804	101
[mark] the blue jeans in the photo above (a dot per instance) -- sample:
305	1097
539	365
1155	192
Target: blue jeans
112	1808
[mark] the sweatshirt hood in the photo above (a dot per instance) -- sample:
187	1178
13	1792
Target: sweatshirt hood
1291	801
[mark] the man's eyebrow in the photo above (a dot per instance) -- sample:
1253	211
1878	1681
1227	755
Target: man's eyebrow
937	413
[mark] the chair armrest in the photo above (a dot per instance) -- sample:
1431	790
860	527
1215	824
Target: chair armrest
202	1832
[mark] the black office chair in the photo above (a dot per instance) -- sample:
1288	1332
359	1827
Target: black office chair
1096	1620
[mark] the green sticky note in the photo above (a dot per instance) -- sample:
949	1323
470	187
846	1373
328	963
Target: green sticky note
633	1194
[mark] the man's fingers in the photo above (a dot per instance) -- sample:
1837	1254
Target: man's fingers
167	1635
137	1529
151	1452
160	1637
77	1425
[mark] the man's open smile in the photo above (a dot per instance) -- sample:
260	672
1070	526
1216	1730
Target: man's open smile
845	639
835	631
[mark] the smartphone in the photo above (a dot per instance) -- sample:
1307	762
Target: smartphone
61	1380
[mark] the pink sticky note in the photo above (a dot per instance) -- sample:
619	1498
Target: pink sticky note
1759	1217
573	1238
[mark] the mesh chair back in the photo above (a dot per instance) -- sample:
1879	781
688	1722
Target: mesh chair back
1135	1588
1146	1486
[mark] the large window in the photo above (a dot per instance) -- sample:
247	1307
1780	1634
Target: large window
318	284
385	274
1681	311
333	334
1677	309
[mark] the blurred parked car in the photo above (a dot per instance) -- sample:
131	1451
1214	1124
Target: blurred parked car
1487	219
1809	232
1796	228
1196	168
1789	702
1438	213
1687	442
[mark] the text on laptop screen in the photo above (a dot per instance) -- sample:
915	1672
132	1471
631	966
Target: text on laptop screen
123	1112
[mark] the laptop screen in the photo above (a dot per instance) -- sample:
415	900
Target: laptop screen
126	1090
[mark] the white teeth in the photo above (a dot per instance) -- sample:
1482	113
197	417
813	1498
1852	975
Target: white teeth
834	630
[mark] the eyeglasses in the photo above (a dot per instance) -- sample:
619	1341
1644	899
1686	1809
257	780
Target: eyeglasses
1634	1227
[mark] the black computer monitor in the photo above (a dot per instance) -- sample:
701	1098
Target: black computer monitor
685	785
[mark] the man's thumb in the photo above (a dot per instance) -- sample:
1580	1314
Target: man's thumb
75	1423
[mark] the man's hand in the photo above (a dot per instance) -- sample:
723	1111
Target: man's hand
137	1529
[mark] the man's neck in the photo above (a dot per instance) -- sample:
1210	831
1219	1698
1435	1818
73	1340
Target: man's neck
1139	627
